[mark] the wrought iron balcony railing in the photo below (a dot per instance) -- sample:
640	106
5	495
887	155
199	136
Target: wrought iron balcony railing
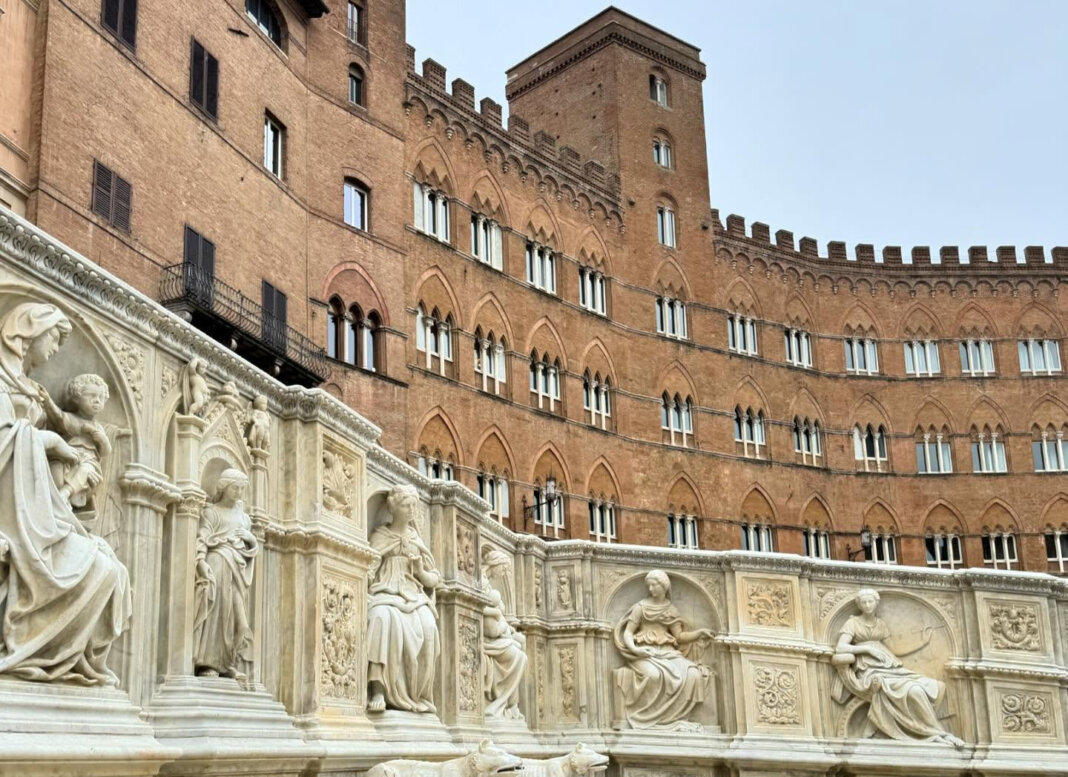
232	318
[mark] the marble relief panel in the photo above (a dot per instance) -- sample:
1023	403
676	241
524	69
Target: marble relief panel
1014	628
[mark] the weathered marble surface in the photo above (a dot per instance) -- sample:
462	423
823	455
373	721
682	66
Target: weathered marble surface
763	663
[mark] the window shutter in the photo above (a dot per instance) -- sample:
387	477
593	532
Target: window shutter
196	74
110	15
498	248
128	28
280	303
417	200
207	259
212	87
121	203
102	183
191	253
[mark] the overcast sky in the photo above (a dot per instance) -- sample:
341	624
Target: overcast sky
927	122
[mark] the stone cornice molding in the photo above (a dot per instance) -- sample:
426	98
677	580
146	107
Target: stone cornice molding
144	487
315	540
740	643
982	669
452	493
570	627
385	465
451	592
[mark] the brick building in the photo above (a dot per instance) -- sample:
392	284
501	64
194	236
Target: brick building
553	299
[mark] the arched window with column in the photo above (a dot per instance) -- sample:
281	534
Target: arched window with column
335	333
934	453
676	419
352	334
869	448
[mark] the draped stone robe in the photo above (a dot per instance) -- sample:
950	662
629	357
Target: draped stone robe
402	628
64	595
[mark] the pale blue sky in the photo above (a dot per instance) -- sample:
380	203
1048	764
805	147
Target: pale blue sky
934	122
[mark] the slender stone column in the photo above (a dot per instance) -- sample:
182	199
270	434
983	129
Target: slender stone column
147	495
180	532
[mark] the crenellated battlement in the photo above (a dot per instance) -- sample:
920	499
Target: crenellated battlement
972	259
562	163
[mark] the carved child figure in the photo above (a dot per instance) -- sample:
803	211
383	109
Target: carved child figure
195	392
86	396
563	590
259	430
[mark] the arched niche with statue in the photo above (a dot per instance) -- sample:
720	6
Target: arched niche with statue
678	686
70	410
888	678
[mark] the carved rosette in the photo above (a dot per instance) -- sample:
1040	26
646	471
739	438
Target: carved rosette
339	676
470	686
1015	627
777	695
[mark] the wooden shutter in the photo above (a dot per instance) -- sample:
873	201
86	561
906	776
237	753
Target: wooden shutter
274	315
191	252
196	74
128	22
207	258
211	88
102	185
121	203
417	210
110	14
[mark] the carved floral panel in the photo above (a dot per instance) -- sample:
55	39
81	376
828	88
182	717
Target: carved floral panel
769	603
566	657
776	689
341	616
470	670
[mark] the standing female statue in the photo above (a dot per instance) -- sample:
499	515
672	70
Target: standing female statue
226	552
901	703
661	683
402	628
64	595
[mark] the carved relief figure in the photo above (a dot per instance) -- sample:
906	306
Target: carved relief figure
86	397
497	574
402	631
195	393
662	682
259	427
902	703
504	661
537	586
226	552
64	595
564	600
